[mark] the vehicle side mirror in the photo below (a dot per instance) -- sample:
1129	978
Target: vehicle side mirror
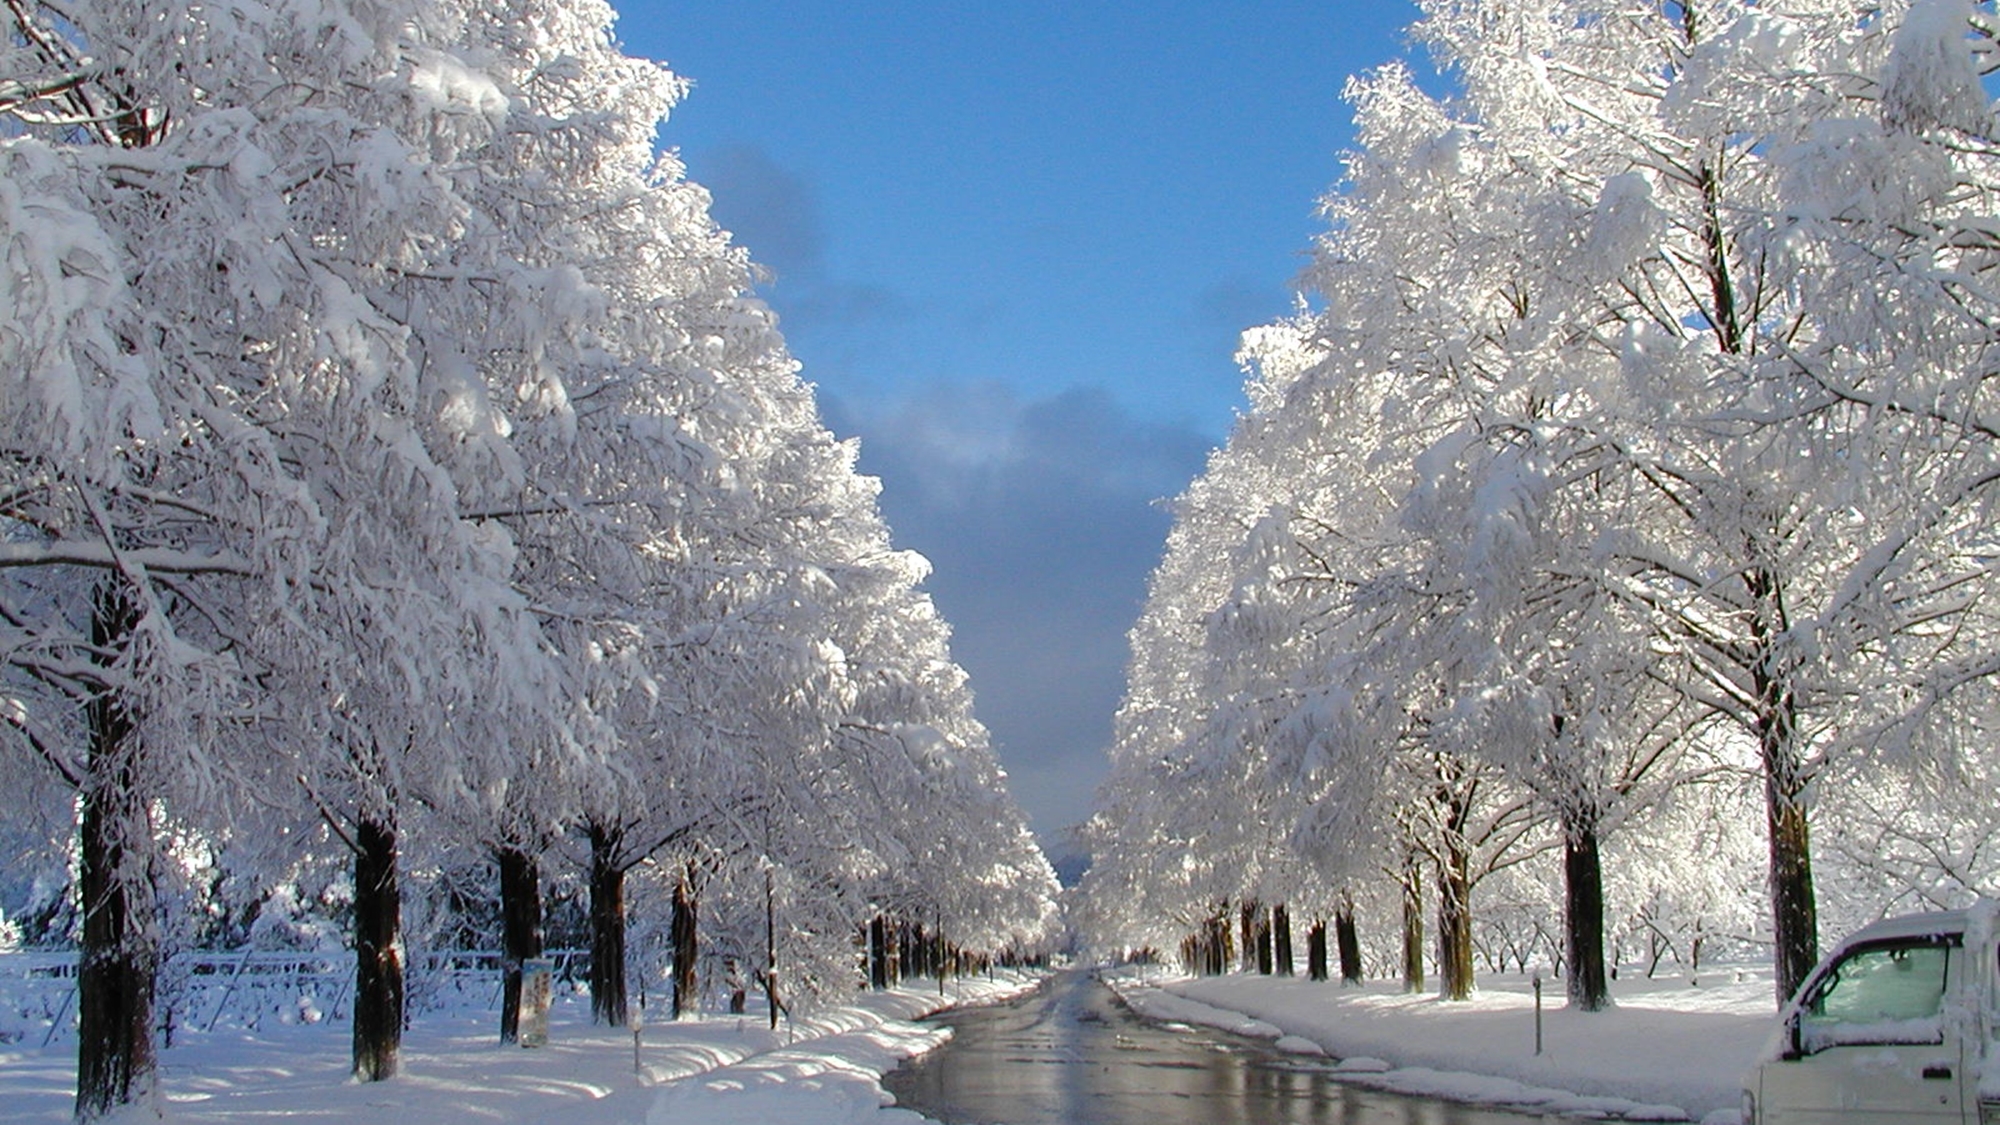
1794	1049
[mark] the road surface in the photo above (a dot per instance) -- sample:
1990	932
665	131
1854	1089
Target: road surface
1071	1054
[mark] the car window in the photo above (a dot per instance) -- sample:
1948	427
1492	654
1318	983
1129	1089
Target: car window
1878	994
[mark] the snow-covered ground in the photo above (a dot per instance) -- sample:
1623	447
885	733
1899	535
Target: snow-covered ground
1669	1050
719	1070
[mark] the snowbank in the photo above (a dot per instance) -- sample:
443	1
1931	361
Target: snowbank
1667	1051
710	1071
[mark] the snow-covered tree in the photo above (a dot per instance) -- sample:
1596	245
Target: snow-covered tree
1790	559
390	425
1636	437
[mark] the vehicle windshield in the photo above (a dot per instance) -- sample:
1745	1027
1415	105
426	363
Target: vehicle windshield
1891	993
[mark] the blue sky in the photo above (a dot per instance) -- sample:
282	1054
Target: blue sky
1013	245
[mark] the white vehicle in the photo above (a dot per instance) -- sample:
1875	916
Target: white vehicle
1892	1028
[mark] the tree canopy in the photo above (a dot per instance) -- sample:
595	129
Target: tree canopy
398	461
1627	461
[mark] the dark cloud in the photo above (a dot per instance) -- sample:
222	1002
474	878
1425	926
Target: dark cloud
774	212
770	209
828	303
1040	516
1042	522
1222	312
1237	304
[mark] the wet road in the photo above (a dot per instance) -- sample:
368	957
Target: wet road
1071	1054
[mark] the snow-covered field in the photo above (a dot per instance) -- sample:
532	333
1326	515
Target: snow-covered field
1669	1050
717	1070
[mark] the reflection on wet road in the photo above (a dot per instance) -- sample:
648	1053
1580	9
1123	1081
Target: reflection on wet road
1071	1054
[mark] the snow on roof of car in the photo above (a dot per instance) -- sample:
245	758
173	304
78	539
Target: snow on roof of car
1910	925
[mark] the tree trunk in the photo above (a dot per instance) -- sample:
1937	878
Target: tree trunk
1265	958
878	953
684	934
1350	943
1247	919
1281	930
118	959
378	954
771	997
1210	945
1583	886
909	947
739	999
607	927
1413	927
943	954
1794	909
116	964
1316	950
1794	905
520	930
1455	922
1220	951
